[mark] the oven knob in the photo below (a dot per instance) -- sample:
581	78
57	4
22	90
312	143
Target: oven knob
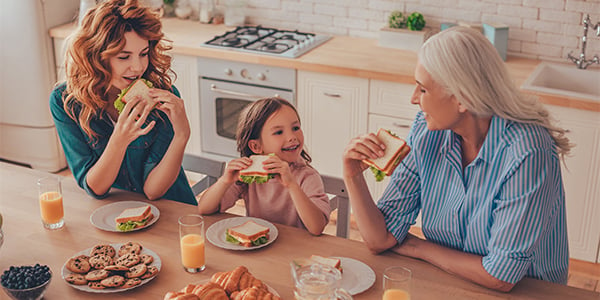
228	72
261	76
244	73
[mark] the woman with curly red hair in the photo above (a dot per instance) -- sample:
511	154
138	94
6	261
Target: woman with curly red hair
142	148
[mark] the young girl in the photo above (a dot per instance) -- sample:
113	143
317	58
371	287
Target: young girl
296	195
141	149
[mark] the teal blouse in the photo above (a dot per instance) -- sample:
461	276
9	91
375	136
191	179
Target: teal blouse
141	156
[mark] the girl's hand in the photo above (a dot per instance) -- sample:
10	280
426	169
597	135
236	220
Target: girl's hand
232	171
274	164
359	148
130	123
174	108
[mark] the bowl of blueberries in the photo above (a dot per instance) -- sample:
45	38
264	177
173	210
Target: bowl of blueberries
26	282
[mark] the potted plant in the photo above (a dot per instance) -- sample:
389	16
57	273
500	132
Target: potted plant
404	32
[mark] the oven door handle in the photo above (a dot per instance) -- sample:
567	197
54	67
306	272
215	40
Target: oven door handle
214	88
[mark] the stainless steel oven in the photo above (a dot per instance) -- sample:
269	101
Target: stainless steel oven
226	87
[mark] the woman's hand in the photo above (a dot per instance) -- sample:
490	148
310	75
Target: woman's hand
359	148
174	108
232	171
274	164
131	122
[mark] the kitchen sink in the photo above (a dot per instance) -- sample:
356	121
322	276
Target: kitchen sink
565	80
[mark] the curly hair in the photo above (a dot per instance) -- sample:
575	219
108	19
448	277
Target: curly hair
101	37
252	120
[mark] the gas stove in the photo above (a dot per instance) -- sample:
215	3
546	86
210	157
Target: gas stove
270	41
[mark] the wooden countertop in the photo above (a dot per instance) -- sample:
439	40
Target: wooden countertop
342	55
27	242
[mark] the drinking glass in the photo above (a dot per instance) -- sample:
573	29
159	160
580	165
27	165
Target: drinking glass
51	202
191	241
396	283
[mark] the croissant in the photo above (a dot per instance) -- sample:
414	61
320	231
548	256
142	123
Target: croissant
210	291
253	293
237	280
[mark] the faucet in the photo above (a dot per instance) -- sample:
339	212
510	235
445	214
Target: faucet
582	62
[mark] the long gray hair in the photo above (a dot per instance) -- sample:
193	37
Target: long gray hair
463	61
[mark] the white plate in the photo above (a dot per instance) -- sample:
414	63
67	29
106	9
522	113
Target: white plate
157	263
104	217
216	233
357	277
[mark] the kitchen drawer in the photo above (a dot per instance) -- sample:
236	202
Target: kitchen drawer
392	99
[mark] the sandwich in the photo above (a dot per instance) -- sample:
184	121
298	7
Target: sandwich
395	151
132	218
256	173
328	261
248	234
139	87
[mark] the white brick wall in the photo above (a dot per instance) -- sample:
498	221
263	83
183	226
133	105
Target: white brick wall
543	29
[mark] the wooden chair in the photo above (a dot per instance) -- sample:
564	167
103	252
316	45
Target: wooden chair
336	187
211	168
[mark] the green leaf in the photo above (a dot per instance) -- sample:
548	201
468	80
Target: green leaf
415	21
229	238
379	175
261	240
397	19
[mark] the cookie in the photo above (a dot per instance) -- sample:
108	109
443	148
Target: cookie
131	282
113	281
130	247
76	279
150	272
128	260
103	249
79	264
146	258
116	268
100	261
136	271
96	275
96	285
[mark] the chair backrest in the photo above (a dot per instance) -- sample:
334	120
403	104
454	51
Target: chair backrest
211	168
336	187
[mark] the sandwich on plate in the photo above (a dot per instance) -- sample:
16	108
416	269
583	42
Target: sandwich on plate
395	151
256	173
328	261
248	234
139	87
132	218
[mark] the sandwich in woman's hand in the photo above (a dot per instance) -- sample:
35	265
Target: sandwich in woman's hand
256	173
395	151
132	218
248	234
139	87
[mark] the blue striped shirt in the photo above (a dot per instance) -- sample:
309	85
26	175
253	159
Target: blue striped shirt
507	205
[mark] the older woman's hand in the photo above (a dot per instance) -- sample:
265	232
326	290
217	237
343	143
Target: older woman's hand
360	148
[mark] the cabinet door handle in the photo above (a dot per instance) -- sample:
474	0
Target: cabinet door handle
396	124
332	95
214	88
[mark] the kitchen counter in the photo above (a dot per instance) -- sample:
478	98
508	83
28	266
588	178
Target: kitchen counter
342	55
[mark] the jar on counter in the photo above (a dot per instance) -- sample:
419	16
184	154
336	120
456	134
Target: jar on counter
235	12
207	10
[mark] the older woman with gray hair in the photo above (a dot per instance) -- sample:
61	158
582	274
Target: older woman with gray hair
484	172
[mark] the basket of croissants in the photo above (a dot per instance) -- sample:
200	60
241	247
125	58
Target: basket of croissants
238	284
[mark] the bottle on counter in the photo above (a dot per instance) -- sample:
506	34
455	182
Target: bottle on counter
207	9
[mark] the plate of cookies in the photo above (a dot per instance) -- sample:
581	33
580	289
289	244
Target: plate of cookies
111	268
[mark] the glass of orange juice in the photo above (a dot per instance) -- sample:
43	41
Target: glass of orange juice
51	202
396	283
191	241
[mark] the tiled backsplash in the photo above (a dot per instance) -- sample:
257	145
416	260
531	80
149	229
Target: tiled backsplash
543	29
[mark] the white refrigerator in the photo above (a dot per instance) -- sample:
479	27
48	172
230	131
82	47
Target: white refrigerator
27	77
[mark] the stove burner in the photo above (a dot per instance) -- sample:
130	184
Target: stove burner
285	43
231	42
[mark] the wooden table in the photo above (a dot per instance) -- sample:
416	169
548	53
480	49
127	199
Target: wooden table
27	242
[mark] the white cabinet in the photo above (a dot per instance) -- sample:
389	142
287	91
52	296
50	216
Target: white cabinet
333	110
185	68
389	108
581	181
